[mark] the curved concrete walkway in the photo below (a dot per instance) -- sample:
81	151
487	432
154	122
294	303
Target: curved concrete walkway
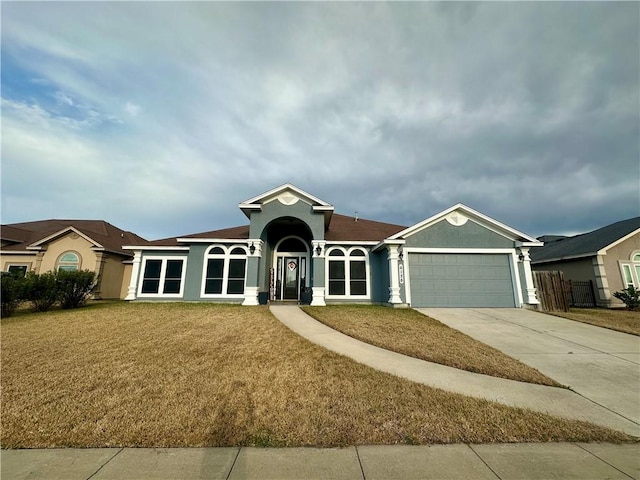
554	401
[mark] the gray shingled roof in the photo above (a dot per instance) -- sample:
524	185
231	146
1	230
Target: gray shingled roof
586	244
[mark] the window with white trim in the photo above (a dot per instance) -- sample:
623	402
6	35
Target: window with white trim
224	271
69	261
629	269
347	272
163	276
18	270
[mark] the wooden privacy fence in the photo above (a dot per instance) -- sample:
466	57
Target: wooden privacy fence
558	294
552	291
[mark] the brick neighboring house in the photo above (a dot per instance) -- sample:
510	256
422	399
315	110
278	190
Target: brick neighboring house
51	245
609	257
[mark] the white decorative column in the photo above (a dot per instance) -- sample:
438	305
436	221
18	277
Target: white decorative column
394	289
528	276
319	280
135	272
251	288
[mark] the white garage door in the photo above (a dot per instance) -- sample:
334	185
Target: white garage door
461	280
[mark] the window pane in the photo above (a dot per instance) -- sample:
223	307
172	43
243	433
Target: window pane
236	268
336	287
638	273
174	269
357	253
213	286
628	279
152	269
235	286
636	257
358	287
214	268
216	251
336	253
357	270
69	257
238	251
336	270
18	270
68	268
171	286
150	286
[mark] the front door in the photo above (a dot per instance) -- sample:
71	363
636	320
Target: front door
291	278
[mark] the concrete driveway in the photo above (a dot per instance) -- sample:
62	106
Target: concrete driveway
600	364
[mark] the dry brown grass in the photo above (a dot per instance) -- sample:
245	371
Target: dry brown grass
620	320
411	333
177	374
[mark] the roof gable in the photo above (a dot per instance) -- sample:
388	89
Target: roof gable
458	215
102	235
588	244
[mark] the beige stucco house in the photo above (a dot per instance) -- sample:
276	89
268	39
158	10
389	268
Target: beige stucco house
609	257
51	245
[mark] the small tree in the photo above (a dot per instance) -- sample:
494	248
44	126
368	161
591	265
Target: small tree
74	287
41	290
12	292
629	296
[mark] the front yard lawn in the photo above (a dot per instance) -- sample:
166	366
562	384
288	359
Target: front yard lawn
411	333
621	320
188	375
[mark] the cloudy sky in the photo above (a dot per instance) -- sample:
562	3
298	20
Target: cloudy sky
161	117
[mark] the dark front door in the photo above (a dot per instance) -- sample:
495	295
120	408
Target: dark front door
291	277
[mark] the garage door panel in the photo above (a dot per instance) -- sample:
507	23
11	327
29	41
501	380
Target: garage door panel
461	280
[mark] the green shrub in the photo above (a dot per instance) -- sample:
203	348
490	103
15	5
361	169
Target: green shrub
630	297
75	287
12	292
41	290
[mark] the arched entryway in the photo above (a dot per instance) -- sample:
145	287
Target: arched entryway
291	268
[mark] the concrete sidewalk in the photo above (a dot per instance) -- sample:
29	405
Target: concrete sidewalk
555	401
497	461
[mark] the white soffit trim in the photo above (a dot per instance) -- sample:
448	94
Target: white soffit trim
603	251
152	247
213	240
478	217
18	252
37	244
352	243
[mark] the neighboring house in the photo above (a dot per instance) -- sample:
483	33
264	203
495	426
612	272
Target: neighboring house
296	248
51	245
609	257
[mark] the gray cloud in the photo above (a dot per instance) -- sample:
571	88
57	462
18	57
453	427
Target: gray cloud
161	117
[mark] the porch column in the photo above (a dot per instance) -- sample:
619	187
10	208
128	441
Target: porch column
101	259
135	271
528	277
253	264
394	281
319	282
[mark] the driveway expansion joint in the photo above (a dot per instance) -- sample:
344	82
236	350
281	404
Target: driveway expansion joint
105	463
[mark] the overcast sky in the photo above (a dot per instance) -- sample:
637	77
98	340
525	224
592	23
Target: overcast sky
161	117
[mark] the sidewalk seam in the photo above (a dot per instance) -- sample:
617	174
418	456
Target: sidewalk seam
360	463
602	460
105	464
482	460
234	463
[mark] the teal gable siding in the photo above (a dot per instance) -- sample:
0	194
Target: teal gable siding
274	210
469	235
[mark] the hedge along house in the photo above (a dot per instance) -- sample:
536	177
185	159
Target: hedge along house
297	249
